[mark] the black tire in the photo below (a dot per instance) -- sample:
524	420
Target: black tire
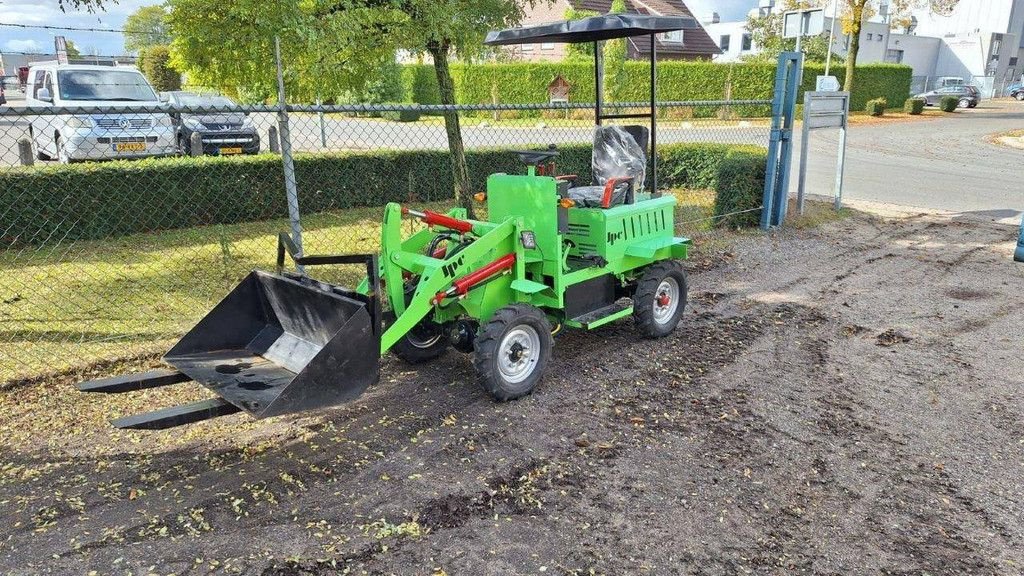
1019	95
655	317
963	103
504	358
425	342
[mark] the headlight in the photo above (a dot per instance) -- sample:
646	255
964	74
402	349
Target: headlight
164	121
247	123
76	122
192	124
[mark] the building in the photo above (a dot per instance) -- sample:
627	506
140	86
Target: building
979	41
696	45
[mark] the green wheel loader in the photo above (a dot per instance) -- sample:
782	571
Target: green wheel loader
553	253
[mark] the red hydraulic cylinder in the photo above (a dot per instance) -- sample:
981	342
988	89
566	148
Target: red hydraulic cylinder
433	218
463	285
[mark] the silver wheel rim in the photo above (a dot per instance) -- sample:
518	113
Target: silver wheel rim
666	300
518	353
423	342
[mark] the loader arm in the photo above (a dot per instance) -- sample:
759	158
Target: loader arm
436	274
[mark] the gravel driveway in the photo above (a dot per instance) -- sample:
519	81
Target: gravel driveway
838	400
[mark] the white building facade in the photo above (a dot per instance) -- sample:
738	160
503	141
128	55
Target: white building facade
979	41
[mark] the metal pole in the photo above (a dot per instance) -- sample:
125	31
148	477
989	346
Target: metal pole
840	162
804	142
598	81
831	36
654	119
1018	254
323	130
290	187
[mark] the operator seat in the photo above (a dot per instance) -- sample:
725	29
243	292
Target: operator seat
619	165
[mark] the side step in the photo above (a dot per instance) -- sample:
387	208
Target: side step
602	316
166	417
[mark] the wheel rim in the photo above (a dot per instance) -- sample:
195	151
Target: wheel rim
519	353
424	337
964	103
666	300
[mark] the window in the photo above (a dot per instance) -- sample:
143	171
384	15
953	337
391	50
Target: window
1013	61
673	36
745	44
37	83
547	46
871	36
120	85
878	37
894	56
527	47
723	42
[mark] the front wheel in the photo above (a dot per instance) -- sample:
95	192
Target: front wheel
963	103
660	299
512	350
1019	95
62	153
425	342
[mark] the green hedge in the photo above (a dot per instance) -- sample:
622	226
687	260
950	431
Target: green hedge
740	187
914	106
110	199
876	107
526	83
949	103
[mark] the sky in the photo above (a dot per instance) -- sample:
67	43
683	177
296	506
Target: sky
105	43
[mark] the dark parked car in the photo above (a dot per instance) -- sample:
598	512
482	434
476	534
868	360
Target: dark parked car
1017	91
223	132
968	96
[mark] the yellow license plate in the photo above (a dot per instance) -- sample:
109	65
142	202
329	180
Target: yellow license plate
129	147
235	150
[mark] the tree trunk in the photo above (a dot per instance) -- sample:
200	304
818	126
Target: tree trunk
856	13
446	87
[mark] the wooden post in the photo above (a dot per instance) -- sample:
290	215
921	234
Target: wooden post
272	141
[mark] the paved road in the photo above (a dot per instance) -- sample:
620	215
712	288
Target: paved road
946	163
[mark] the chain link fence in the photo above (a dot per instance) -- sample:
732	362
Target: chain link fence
121	226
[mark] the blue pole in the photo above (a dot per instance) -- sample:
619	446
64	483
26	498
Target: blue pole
1019	254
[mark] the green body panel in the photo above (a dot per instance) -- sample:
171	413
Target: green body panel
621	241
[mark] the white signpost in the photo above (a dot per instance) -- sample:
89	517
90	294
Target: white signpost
824	110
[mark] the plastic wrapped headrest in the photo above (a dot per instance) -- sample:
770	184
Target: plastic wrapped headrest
616	155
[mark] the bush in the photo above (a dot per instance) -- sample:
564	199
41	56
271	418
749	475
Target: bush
949	103
101	200
155	65
875	107
914	106
401	115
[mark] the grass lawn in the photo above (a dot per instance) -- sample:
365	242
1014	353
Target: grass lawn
79	303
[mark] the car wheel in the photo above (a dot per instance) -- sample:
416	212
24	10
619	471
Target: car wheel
62	153
1019	96
963	103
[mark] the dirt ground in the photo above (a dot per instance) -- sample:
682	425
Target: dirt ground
838	400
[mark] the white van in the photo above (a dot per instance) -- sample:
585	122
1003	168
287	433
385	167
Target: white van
96	136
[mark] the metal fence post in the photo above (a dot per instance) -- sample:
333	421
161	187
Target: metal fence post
291	189
25	152
323	128
776	181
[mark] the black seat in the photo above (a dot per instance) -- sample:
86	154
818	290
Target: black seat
619	165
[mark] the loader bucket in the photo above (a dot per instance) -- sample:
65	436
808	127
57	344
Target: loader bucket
280	344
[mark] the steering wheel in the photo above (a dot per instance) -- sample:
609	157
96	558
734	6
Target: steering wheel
536	157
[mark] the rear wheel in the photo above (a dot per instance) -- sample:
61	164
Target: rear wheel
512	350
963	103
1019	95
660	299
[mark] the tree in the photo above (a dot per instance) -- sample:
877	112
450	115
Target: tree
146	27
155	63
766	33
615	56
856	12
72	49
442	29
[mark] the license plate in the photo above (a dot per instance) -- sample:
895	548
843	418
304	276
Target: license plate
235	150
129	146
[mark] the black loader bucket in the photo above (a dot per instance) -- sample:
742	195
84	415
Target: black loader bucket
277	344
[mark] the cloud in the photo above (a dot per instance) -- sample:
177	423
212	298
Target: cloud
23	45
